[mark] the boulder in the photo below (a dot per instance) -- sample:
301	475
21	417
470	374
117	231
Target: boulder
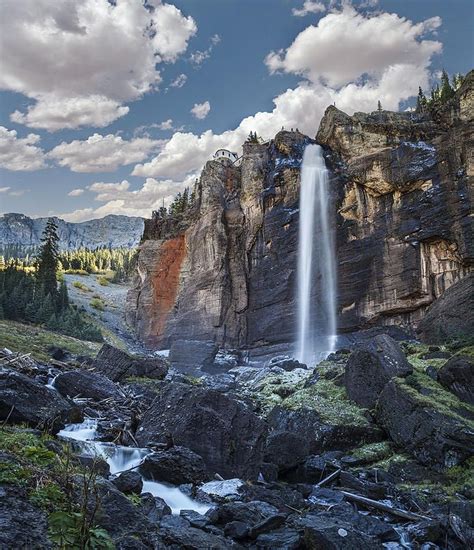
129	482
434	434
24	400
177	465
457	376
223	431
286	539
250	513
192	353
286	449
369	369
117	365
451	316
285	363
80	383
154	508
22	525
227	489
178	533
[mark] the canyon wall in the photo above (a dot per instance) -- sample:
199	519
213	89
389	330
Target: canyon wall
401	187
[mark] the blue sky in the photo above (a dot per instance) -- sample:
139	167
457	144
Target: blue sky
278	62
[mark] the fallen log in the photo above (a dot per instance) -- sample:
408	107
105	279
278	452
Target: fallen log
384	507
329	478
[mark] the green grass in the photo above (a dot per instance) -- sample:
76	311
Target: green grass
81	286
103	281
97	304
21	338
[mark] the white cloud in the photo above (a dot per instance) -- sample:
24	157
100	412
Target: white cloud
4	189
346	45
20	153
201	110
179	81
76	192
18	193
166	124
393	77
88	58
309	6
118	199
198	57
103	153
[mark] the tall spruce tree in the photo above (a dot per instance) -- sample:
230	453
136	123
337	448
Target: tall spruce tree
48	260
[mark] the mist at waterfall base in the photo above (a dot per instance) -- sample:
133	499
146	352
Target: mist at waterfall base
316	270
121	458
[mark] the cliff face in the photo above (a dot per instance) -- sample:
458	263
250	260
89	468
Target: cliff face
400	204
113	231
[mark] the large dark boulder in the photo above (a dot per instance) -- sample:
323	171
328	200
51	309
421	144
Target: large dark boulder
192	353
22	525
25	400
177	465
437	436
369	369
117	365
223	431
129	482
451	316
80	383
457	375
178	533
286	449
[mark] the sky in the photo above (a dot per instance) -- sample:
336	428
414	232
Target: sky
114	106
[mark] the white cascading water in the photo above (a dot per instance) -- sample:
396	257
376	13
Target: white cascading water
316	262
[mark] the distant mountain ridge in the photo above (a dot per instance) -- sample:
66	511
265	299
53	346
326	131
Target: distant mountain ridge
114	231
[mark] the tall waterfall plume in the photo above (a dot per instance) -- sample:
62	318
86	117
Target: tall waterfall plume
316	296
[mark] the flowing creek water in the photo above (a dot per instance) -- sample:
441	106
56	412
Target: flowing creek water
316	271
119	458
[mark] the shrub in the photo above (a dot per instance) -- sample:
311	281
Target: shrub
98	304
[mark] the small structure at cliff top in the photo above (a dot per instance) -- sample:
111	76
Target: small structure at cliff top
225	156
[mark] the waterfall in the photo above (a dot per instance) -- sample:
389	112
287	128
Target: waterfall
316	296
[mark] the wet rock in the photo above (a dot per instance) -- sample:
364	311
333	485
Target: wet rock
278	495
268	524
433	435
22	525
195	518
176	465
316	467
237	530
192	353
451	316
286	363
286	539
24	400
223	431
86	384
325	497
175	530
375	491
154	508
117	365
129	482
98	465
227	489
457	376
286	449
269	471
247	512
369	369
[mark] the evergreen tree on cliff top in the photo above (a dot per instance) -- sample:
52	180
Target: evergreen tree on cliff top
48	260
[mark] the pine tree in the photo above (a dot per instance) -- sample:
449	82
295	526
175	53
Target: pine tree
446	92
421	101
379	106
48	259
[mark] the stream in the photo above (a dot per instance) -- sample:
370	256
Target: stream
119	458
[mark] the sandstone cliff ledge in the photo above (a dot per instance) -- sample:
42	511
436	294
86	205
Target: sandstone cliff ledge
401	187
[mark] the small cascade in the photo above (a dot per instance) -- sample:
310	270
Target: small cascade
316	296
120	458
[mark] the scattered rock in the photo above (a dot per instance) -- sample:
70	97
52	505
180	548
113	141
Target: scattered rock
223	431
129	482
286	539
80	383
286	449
227	489
369	369
266	525
175	530
177	465
237	530
457	375
154	508
192	353
286	363
195	518
117	365
24	400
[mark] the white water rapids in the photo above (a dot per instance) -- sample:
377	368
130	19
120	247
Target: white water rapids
316	296
121	458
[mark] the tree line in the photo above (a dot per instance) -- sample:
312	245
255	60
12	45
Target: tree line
36	297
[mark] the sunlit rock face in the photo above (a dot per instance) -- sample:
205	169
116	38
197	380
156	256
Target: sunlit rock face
399	183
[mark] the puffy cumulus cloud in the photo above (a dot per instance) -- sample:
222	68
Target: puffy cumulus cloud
54	113
309	6
346	45
201	110
393	78
198	57
119	199
166	124
76	193
179	81
20	153
86	58
103	153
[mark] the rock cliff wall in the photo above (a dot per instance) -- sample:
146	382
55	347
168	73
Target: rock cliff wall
401	187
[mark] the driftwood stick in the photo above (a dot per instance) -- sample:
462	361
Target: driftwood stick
294	509
384	507
329	478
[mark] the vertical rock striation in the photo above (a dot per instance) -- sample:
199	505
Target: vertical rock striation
400	185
